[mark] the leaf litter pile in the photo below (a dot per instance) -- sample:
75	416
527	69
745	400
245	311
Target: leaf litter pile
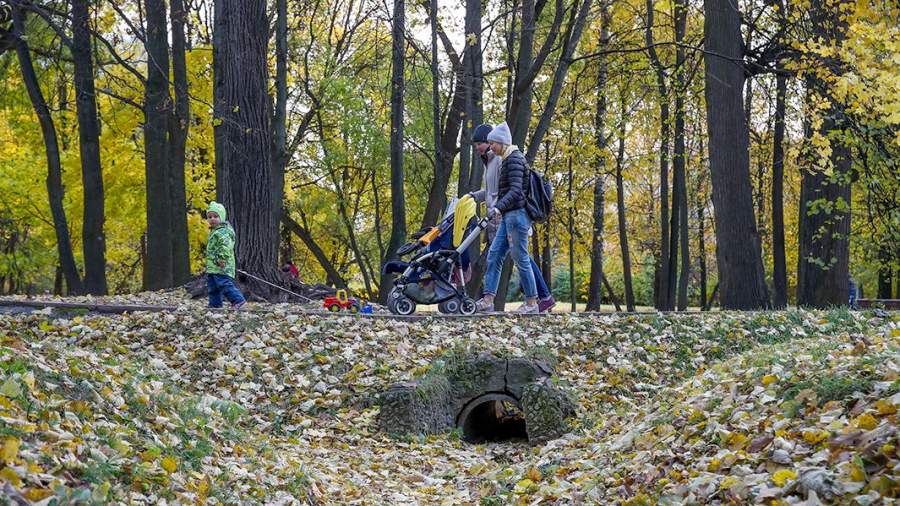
190	406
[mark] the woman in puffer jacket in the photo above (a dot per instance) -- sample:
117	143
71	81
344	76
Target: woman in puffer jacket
512	236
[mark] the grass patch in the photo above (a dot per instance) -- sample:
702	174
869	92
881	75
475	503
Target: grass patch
829	388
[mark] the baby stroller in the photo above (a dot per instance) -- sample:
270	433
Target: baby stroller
436	272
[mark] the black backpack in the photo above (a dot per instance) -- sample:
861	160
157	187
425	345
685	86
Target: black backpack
538	197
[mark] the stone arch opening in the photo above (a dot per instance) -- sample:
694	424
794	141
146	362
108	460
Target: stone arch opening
492	417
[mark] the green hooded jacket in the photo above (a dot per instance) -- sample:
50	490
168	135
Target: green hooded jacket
220	245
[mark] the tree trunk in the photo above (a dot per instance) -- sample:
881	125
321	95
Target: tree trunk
157	109
612	295
741	276
398	200
471	167
437	200
779	267
600	140
679	160
620	205
279	115
55	189
246	137
662	300
92	235
885	275
701	223
179	125
570	228
220	24
547	259
824	258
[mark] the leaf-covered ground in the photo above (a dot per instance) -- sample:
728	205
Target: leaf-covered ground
231	407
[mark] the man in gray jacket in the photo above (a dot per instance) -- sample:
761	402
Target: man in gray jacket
488	195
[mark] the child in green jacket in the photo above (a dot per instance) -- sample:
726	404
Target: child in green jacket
220	259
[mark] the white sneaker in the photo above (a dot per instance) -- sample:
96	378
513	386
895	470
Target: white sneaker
482	306
528	309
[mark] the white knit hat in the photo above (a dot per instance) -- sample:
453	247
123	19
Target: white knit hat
500	134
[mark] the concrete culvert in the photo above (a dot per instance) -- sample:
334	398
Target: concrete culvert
491	399
492	418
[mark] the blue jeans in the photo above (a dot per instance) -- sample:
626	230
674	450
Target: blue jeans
542	290
511	236
218	285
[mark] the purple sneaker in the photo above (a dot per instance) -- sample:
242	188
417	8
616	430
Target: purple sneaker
546	305
239	305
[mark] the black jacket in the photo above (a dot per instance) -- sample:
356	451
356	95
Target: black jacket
512	182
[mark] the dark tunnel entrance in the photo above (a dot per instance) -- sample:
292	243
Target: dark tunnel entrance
492	418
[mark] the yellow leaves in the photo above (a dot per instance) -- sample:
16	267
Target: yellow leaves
471	39
814	436
737	441
10	450
11	388
169	464
37	494
866	421
768	379
728	482
783	476
885	407
28	379
714	465
10	476
857	473
525	486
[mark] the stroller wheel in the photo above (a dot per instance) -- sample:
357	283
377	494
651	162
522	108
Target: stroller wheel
404	306
467	306
449	306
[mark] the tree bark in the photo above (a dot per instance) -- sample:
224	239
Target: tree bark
701	223
620	211
279	115
779	267
600	141
570	228
436	193
247	191
885	274
679	160
398	200
157	109
55	189
471	167
662	300
179	125
824	259
92	236
741	276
